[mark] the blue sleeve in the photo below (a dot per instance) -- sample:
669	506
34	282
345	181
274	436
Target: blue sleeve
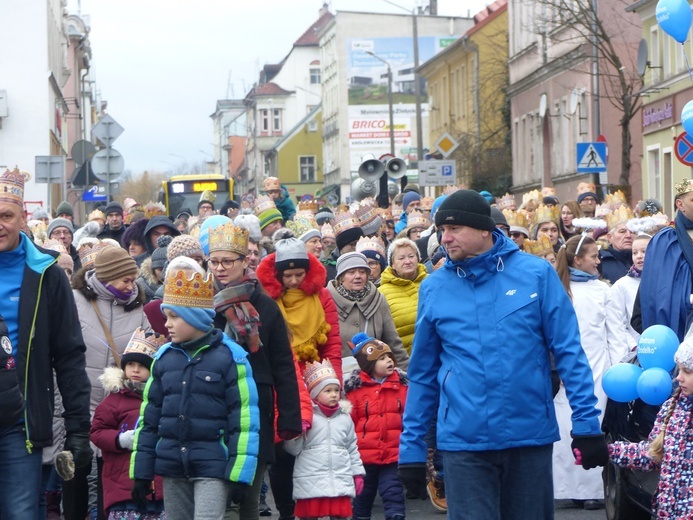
402	222
422	396
562	335
143	456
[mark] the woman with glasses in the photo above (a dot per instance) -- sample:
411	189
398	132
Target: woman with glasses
252	319
576	265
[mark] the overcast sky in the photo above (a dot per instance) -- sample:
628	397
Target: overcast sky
163	64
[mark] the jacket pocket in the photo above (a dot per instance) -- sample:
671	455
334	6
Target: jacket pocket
208	377
517	302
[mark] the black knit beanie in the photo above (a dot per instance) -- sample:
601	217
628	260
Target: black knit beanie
466	208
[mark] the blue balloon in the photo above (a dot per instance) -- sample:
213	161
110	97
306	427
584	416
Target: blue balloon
654	386
687	118
620	382
210	222
657	346
674	17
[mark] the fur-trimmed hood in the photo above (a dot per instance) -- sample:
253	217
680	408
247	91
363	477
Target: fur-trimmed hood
79	283
355	381
147	273
267	274
112	380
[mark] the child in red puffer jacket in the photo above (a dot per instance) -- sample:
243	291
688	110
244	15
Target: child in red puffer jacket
377	392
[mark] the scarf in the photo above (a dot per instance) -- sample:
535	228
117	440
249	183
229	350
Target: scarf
305	318
634	272
329	411
581	276
354	296
135	386
103	291
120	295
242	319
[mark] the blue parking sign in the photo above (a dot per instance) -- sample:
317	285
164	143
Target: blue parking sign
446	171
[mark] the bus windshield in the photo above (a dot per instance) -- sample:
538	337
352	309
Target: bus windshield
185	191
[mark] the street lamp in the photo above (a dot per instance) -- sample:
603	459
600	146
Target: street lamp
382	196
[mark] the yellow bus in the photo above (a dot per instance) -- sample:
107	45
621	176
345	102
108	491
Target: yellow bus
184	191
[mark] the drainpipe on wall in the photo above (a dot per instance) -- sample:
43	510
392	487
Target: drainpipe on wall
470	46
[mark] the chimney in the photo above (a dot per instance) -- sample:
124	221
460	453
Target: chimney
433	7
324	9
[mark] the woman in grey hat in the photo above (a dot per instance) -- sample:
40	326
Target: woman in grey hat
361	308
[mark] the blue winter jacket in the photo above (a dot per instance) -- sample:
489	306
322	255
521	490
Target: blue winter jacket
199	415
484	330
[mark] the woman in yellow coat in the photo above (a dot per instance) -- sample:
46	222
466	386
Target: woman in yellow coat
399	283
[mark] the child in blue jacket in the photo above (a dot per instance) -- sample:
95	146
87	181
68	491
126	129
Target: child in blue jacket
199	423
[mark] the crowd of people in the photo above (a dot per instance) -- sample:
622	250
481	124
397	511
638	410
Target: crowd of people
335	353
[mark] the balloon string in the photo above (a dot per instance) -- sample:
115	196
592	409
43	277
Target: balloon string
683	49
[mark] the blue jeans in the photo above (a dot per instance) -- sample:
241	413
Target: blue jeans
512	484
20	475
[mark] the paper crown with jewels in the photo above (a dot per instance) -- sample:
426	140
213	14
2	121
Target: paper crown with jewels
507	201
97	214
546	214
317	372
154	209
344	221
517	218
548	191
619	216
327	231
271	183
147	343
87	250
366	213
303	224
539	247
427	203
449	190
602	210
686	186
263	203
196	291
208	196
370	244
12	186
228	237
532	195
416	219
308	205
586	187
615	199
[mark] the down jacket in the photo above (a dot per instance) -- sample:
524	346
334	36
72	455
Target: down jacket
314	283
117	413
370	315
327	459
403	298
122	321
377	410
200	415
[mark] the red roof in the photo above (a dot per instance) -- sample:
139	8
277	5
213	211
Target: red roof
270	89
487	14
310	37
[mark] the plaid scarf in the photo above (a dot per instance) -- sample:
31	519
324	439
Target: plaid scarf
633	272
242	319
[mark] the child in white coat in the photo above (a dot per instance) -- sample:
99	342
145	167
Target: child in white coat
328	471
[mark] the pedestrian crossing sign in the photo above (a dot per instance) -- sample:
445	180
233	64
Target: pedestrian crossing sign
591	157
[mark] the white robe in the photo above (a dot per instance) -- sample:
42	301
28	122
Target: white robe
569	480
622	336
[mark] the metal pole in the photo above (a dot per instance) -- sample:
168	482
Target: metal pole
595	90
417	80
108	174
389	102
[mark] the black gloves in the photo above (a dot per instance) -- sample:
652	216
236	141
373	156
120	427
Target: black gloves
141	490
413	477
593	450
78	444
238	492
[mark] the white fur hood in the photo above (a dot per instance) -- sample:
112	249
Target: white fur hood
112	380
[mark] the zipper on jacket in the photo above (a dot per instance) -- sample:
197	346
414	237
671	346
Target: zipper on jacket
447	406
366	421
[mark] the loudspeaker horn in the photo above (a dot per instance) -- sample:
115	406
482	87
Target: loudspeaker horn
371	168
396	168
361	188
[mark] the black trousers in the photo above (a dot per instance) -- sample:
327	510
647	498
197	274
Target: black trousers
281	474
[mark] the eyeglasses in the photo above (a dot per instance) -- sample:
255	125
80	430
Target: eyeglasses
61	233
516	234
226	263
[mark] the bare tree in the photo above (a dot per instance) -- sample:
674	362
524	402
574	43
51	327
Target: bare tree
607	27
143	188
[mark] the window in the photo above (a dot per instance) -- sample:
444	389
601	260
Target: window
655	173
264	120
315	75
313	125
276	120
307	167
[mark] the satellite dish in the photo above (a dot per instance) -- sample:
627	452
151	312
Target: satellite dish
642	57
574	100
543	105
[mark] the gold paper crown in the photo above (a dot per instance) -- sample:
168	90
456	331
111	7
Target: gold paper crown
97	215
449	190
602	210
262	204
426	203
370	244
147	343
153	209
208	196
302	224
228	237
316	372
88	251
271	183
619	216
586	187
327	231
507	201
308	205
344	221
539	247
386	214
189	292
546	214
129	203
54	245
532	195
517	218
615	199
366	214
12	186
686	186
416	219
548	191
40	231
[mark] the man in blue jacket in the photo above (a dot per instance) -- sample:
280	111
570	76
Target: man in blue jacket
487	322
